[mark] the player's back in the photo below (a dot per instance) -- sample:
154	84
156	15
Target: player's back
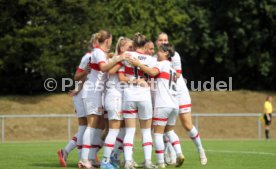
166	89
136	92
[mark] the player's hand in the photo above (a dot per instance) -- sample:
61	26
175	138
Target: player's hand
124	56
133	61
73	93
110	55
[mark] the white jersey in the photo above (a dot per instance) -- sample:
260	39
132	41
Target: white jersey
84	62
136	92
166	89
95	79
113	86
176	63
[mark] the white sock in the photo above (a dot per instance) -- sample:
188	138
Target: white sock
96	143
170	148
147	143
81	130
118	148
71	144
128	143
174	139
193	134
159	147
109	144
87	141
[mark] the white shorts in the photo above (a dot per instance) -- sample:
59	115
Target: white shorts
140	109
163	116
113	105
93	105
184	100
79	106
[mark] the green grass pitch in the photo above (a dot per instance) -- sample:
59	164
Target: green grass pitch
221	155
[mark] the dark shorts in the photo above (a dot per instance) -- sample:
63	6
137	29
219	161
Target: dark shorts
266	121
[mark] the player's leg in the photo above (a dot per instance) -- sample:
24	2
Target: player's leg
97	142
81	129
119	146
186	121
113	105
77	139
63	153
267	124
185	116
130	114
159	121
93	109
170	155
173	137
145	117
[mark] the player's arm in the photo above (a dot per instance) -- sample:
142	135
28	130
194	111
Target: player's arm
82	73
114	69
115	62
144	68
178	74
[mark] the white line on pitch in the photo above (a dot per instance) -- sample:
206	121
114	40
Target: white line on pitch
241	152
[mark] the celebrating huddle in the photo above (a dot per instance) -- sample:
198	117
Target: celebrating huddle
116	89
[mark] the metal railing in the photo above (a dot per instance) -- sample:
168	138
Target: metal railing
70	116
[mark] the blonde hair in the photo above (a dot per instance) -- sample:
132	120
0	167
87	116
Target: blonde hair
139	40
121	42
102	35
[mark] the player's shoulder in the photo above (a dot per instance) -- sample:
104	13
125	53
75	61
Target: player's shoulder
176	55
86	56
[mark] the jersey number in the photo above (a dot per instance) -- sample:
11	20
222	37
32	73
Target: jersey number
172	80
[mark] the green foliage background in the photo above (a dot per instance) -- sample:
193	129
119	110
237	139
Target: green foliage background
41	39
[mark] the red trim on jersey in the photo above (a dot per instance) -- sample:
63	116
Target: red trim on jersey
160	119
95	66
120	63
121	72
179	71
74	139
86	146
164	75
176	142
185	106
79	70
195	137
147	144
130	71
159	151
130	111
109	145
120	140
79	146
128	145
